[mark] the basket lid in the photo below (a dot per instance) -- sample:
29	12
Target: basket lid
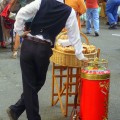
96	69
95	75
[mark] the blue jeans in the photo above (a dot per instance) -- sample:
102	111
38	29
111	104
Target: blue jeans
111	10
92	15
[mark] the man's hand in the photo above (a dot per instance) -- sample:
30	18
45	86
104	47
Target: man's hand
25	33
85	61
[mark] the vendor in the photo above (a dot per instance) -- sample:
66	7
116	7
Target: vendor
50	17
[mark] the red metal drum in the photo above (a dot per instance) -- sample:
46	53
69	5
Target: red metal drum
94	94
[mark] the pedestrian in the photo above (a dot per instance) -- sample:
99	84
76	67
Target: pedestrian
3	3
49	18
92	17
111	12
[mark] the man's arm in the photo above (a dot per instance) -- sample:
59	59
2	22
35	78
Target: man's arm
24	14
74	35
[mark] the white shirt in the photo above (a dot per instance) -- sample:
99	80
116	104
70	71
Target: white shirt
30	10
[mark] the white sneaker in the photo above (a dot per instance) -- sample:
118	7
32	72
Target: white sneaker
14	55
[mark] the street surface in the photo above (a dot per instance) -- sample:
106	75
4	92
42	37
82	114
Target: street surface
11	83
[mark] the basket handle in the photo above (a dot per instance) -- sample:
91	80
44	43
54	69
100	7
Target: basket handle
82	34
86	38
98	53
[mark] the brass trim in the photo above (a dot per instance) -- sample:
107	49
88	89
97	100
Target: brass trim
95	76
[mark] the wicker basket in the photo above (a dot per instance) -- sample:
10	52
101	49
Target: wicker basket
69	59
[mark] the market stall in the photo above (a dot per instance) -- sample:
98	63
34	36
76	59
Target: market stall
66	70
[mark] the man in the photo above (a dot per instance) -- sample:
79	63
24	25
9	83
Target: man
111	11
92	17
49	18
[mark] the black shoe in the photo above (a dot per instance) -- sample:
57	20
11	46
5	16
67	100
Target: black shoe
113	26
96	34
11	114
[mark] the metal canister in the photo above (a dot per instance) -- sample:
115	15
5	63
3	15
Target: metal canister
95	81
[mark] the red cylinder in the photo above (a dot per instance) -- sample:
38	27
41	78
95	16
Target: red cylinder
94	95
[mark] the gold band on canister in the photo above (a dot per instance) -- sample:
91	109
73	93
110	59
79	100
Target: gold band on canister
95	76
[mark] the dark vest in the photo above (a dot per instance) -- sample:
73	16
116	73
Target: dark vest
50	19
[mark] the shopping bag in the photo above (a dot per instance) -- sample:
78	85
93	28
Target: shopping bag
8	17
6	11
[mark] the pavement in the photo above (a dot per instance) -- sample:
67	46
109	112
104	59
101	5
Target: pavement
11	83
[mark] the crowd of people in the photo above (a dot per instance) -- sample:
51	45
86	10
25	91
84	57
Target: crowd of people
37	31
88	10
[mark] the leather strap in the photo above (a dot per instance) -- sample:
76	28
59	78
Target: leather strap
36	40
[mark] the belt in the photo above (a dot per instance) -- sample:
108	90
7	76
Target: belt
37	40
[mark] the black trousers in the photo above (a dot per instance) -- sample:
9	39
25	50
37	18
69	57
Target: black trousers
34	61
